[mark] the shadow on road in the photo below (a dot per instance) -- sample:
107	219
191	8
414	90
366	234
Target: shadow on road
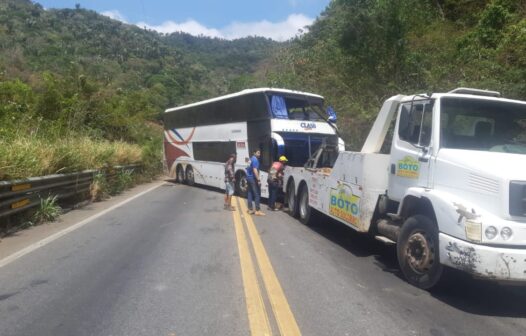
481	297
459	290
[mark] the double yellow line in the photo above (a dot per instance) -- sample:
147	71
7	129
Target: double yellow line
257	313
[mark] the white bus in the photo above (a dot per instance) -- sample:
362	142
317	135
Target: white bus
198	138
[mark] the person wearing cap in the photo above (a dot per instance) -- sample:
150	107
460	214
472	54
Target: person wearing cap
275	181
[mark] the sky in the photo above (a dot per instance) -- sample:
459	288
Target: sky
279	20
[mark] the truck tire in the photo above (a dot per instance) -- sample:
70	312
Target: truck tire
418	252
179	174
241	184
291	199
306	213
190	179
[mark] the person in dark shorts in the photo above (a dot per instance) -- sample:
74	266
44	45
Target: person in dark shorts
230	180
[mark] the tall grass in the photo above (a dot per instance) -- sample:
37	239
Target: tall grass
34	156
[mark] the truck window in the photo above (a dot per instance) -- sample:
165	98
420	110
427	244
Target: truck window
481	124
415	122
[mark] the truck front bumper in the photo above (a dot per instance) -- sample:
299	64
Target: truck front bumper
497	263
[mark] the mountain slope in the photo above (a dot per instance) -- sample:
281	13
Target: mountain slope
358	53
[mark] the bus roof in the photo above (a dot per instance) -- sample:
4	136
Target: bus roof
245	92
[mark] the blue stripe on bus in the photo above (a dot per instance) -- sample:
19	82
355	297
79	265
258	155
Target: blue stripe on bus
178	135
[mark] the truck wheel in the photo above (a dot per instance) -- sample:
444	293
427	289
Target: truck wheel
190	179
241	185
305	211
418	253
291	199
179	175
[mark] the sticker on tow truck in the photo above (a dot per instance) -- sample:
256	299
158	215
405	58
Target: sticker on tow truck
345	205
408	167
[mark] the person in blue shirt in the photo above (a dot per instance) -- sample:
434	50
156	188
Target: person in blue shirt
254	184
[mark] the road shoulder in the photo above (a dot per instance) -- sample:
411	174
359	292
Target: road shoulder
24	238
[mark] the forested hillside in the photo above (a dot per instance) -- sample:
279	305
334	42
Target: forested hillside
80	90
359	52
73	81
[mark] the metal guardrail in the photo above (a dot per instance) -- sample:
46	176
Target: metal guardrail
20	195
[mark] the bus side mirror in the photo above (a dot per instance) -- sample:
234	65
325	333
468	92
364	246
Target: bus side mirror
331	115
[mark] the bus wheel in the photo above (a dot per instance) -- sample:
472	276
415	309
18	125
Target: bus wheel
179	176
417	251
190	176
291	199
241	185
304	209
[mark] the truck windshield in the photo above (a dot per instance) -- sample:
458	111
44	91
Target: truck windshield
481	124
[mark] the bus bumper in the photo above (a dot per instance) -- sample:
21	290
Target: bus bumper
496	263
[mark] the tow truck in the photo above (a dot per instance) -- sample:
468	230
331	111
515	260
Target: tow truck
450	192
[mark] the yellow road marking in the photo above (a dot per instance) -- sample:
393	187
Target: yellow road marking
257	315
284	317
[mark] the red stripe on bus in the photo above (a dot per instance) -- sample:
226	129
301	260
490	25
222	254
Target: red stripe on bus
172	153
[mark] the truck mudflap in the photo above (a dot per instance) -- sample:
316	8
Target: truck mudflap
502	264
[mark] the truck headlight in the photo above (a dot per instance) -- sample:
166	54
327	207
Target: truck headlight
491	232
506	233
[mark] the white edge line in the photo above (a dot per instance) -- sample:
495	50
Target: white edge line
9	259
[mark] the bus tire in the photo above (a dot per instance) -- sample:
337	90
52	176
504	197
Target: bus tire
179	174
291	199
306	213
418	252
241	184
189	176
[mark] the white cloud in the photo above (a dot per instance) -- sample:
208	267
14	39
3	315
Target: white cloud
279	31
190	26
115	14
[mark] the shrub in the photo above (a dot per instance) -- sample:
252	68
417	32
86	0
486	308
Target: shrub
48	211
99	189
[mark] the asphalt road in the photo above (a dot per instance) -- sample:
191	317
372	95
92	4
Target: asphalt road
173	262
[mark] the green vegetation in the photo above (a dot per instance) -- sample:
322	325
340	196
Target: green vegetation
36	156
79	90
359	52
48	210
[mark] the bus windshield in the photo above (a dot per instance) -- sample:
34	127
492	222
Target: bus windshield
296	108
485	125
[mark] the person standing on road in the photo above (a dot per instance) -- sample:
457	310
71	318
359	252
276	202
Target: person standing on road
275	181
254	185
230	180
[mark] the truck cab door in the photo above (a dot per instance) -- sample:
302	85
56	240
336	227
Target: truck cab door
410	157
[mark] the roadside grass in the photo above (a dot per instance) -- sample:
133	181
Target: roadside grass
32	156
123	180
31	148
99	189
48	211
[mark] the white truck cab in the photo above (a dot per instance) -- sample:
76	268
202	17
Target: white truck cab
451	192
